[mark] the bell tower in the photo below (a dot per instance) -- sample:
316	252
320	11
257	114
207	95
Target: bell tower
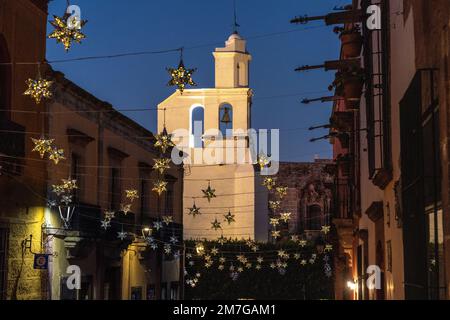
232	63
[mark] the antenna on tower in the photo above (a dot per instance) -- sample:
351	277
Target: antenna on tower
235	24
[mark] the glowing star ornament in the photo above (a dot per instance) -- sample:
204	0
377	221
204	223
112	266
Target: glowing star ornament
167	220
295	238
229	218
296	256
328	248
273	265
122	235
214	251
222	240
161	165
42	146
181	77
274	222
157	225
216	225
222	260
269	183
163	141
303	262
276	234
254	248
281	192
302	243
105	224
260	259
66	34
125	208
258	267
173	240
159	187
263	161
131	195
285	217
38	89
56	155
167	249
209	193
69	184
274	205
326	229
194	211
221	267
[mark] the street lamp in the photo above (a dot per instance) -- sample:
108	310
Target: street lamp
146	232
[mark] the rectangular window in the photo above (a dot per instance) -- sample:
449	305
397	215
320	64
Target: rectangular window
77	174
115	189
377	98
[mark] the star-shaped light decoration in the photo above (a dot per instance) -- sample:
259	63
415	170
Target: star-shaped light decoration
248	265
240	269
276	234
159	187
65	33
69	184
241	258
260	259
173	240
281	192
221	267
194	211
222	240
105	224
254	248
263	161
328	248
42	146
294	238
296	256
167	220
326	229
157	225
66	200
214	251
283	255
167	249
302	243
125	208
229	218
176	254
161	164
274	222
164	141
109	215
208	265
216	225
131	195
274	205
269	183
222	260
273	265
58	189
303	262
154	245
258	267
56	155
188	255
122	235
191	263
38	89
285	216
209	193
181	77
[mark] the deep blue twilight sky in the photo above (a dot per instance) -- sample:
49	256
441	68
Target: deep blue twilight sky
146	25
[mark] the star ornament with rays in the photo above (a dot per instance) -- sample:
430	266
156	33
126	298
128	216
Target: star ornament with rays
326	229
276	234
216	225
281	192
42	146
194	211
161	165
167	220
159	187
38	89
181	77
274	205
209	193
263	161
269	183
229	218
125	208
274	222
131	195
122	235
164	141
285	217
56	155
67	34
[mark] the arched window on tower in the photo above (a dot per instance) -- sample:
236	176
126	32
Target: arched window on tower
197	126
314	217
226	120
